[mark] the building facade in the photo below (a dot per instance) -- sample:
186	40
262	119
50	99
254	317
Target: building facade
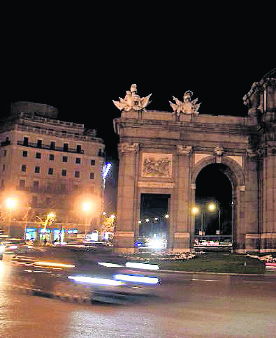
164	152
49	166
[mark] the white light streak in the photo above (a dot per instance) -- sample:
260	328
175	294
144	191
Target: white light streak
94	280
136	279
143	266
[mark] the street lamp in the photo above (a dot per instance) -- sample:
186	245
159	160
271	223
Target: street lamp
214	207
196	210
10	204
86	207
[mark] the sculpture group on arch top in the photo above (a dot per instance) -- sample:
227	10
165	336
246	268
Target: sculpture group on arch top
133	101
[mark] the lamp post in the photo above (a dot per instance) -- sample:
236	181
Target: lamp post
10	204
196	210
86	207
214	207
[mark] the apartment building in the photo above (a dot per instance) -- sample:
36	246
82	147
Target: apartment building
49	166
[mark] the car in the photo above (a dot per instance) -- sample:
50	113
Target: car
13	245
83	274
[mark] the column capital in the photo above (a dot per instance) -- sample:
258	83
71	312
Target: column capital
127	147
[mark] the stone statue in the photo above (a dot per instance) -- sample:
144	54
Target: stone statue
187	106
132	100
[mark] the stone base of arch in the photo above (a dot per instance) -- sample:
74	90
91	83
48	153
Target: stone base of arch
181	242
268	242
124	242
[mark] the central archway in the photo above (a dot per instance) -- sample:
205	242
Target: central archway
213	207
230	175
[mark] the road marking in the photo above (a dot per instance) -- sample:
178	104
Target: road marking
205	280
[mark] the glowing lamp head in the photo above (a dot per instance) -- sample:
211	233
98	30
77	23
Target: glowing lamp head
195	210
211	207
86	206
10	203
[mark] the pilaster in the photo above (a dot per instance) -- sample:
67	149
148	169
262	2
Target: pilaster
124	236
182	230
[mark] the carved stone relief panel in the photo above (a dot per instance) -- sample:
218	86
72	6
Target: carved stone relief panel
156	165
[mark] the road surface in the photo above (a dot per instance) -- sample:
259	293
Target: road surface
187	306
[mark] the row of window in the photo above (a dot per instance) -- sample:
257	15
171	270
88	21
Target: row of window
50	187
39	144
51	171
52	157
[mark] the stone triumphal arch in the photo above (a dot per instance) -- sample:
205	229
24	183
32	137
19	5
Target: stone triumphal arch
163	153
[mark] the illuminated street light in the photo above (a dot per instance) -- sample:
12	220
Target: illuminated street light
195	210
86	207
10	204
214	207
211	207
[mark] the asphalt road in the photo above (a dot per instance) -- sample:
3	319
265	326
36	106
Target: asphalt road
187	306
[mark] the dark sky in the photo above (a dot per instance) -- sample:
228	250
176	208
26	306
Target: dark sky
78	59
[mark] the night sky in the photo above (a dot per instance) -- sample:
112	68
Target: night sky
79	59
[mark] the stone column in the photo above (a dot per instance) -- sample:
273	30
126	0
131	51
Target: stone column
182	229
251	205
240	231
124	234
268	240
